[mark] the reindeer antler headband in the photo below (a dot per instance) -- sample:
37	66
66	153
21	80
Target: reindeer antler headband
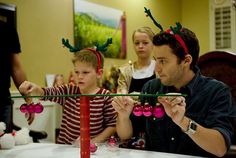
96	51
175	31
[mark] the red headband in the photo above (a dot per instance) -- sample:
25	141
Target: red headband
98	55
179	39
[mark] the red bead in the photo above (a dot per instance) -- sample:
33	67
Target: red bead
93	148
147	110
112	141
30	108
38	108
23	108
158	111
138	110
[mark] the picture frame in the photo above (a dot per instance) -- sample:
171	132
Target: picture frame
95	23
8	13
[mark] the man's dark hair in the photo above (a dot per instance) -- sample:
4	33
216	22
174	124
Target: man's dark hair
190	40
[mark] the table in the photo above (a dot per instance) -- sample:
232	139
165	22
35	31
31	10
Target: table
50	150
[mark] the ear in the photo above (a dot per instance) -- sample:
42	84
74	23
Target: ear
188	59
99	73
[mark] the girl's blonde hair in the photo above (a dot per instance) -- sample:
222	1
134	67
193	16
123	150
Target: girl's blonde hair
144	29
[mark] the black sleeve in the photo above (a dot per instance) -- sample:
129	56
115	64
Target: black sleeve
9	40
222	113
13	43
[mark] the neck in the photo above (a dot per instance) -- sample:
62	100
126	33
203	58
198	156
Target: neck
188	76
90	91
141	63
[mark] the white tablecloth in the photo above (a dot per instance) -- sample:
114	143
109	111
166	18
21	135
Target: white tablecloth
43	150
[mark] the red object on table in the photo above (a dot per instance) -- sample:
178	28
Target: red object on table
84	127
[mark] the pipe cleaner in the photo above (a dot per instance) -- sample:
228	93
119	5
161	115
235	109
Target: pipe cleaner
98	49
148	13
175	31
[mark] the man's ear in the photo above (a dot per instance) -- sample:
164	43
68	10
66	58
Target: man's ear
188	59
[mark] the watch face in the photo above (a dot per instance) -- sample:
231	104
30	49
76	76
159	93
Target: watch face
193	126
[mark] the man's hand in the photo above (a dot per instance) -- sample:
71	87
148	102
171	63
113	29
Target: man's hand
30	117
174	107
123	105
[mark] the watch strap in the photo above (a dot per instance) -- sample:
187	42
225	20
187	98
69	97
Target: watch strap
192	127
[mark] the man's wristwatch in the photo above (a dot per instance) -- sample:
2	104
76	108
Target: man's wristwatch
192	127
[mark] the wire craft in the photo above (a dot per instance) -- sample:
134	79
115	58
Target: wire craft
175	31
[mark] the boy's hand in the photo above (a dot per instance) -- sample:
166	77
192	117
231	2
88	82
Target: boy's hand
27	88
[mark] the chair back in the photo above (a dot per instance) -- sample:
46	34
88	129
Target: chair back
220	65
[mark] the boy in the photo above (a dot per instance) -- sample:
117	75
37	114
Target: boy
88	67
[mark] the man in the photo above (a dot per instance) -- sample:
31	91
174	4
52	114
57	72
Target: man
9	66
198	124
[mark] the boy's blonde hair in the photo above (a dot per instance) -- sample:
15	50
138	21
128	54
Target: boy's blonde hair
144	29
89	56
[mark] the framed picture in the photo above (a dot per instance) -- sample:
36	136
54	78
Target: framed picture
95	23
8	13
